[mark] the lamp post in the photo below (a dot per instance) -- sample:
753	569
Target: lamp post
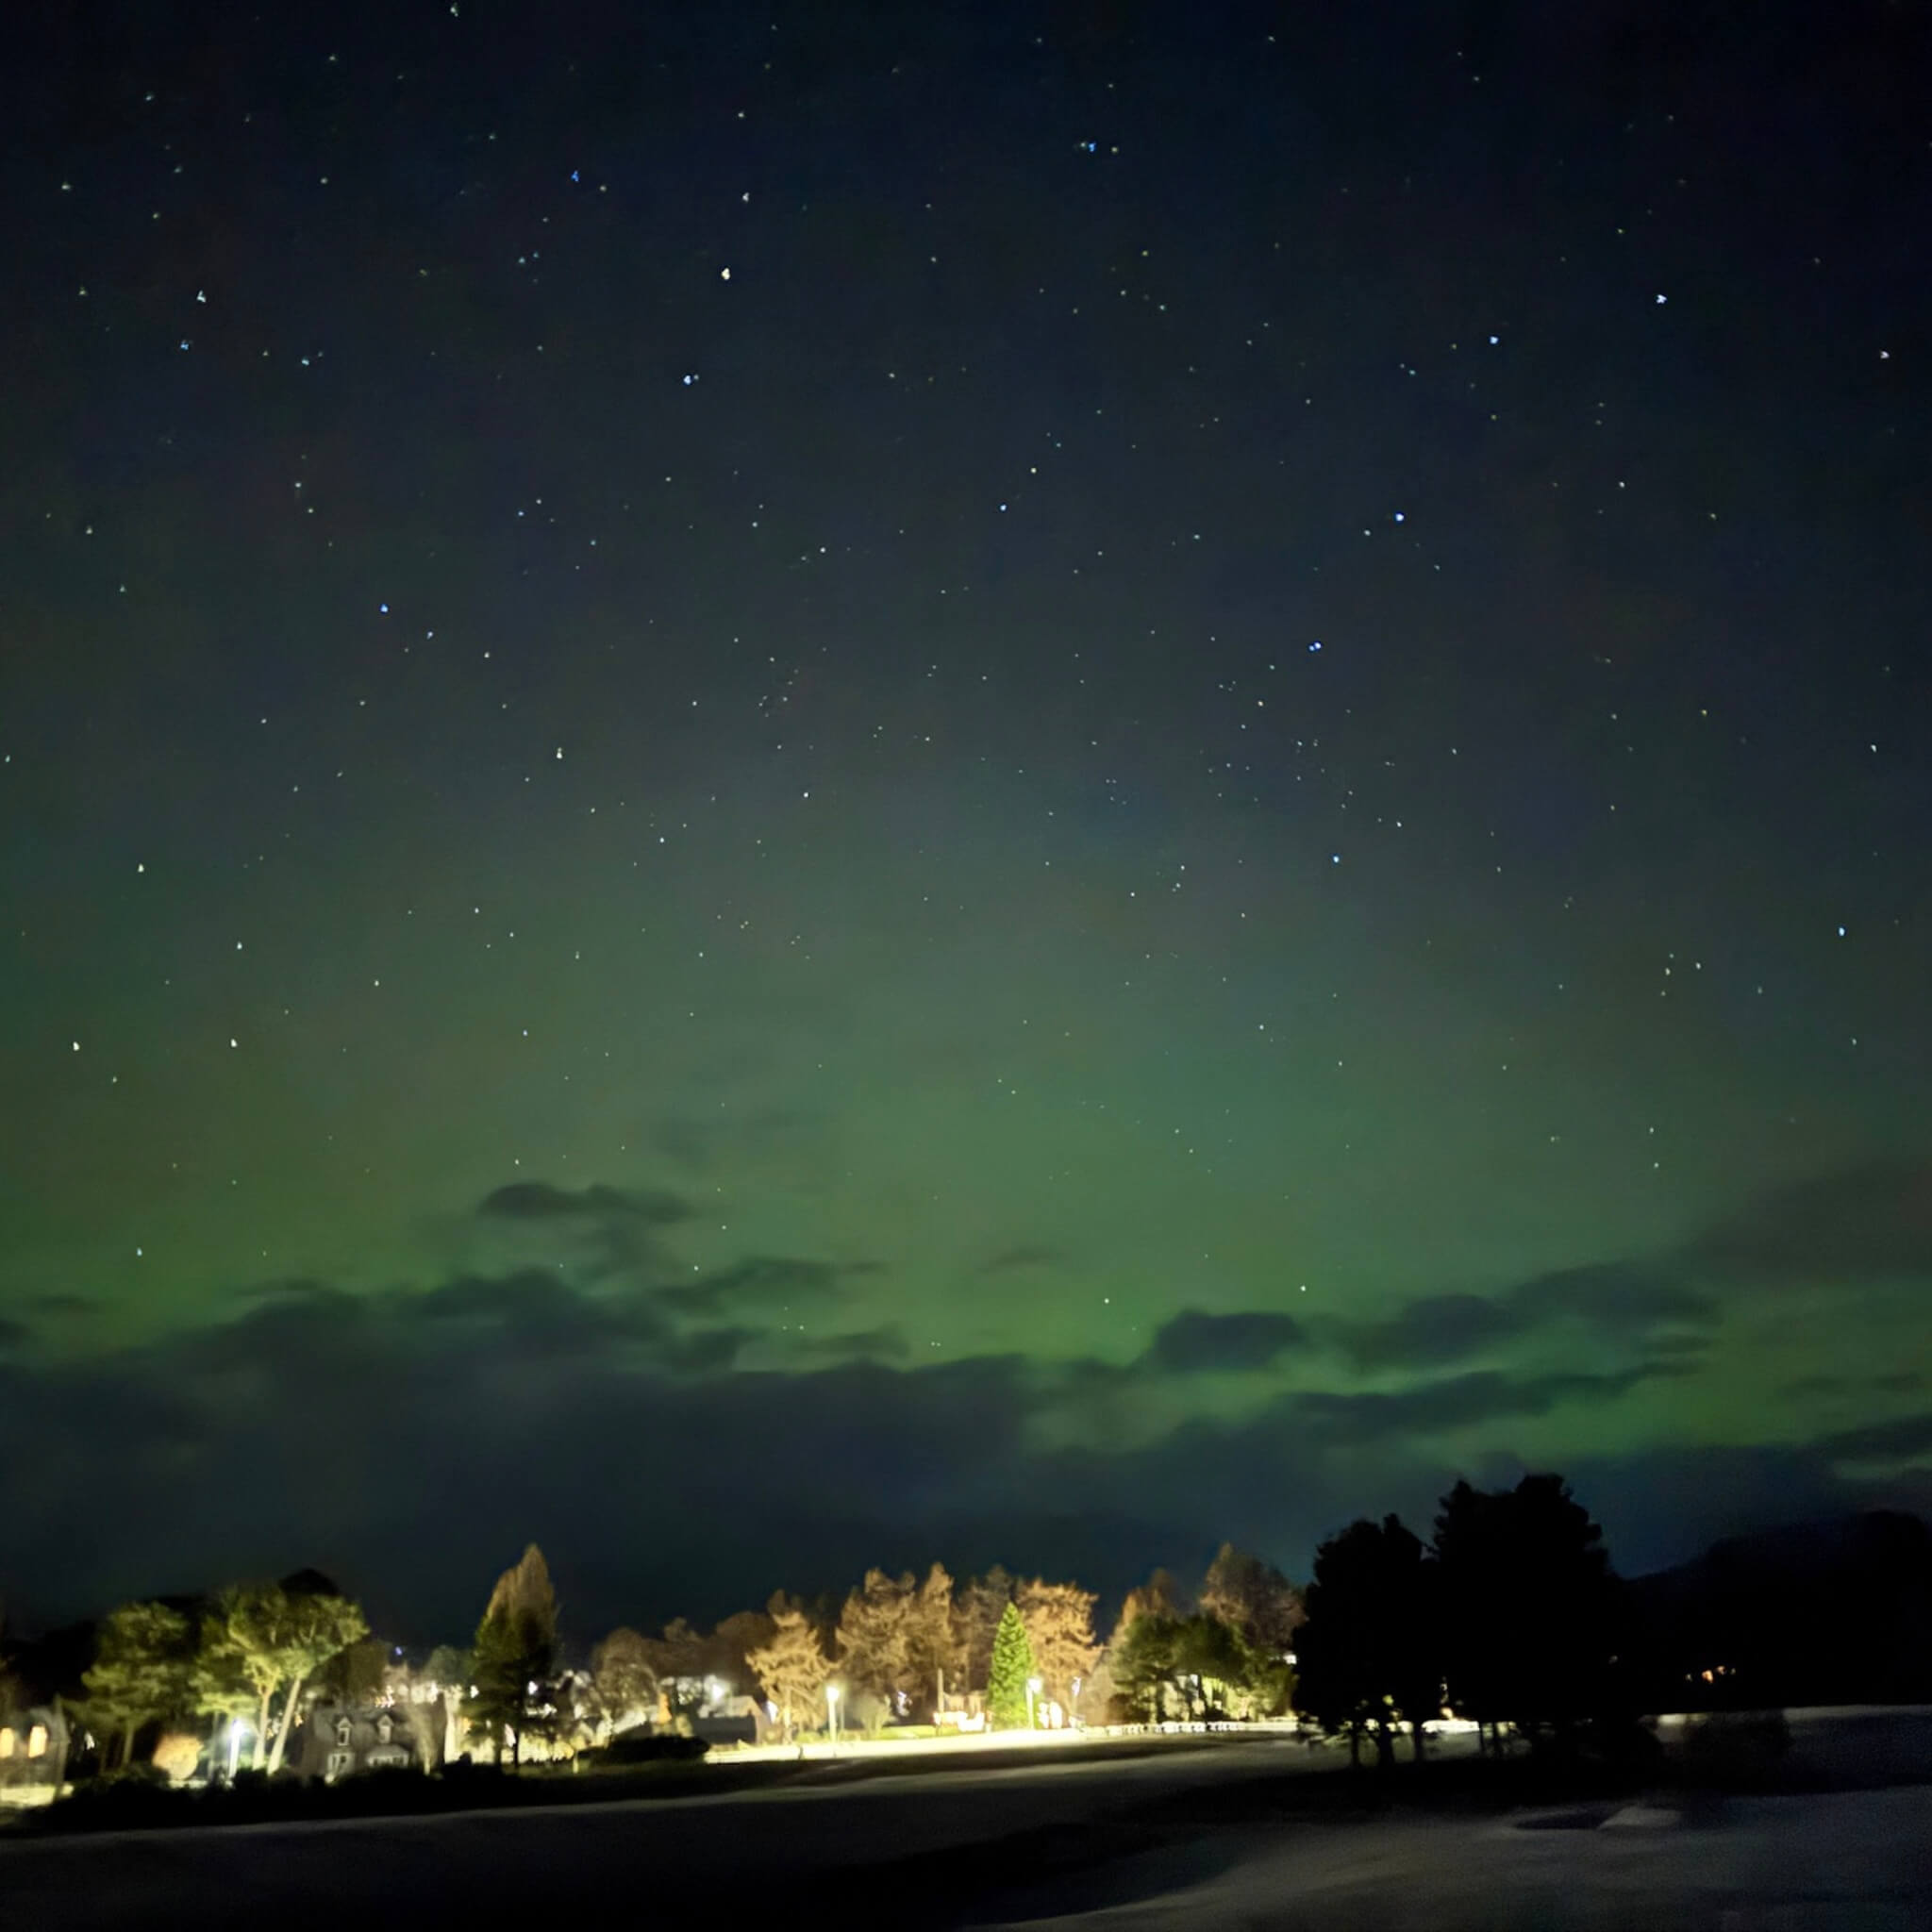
832	1711
1073	1715
235	1729
1032	1691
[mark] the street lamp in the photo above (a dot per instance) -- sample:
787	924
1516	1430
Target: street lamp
832	1709
1073	1716
1032	1691
235	1729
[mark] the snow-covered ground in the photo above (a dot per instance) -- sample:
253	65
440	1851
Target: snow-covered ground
952	1848
1844	1863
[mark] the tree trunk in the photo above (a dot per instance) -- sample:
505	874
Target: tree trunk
128	1736
1416	1734
261	1745
281	1746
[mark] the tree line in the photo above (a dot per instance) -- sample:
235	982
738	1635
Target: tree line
1510	1615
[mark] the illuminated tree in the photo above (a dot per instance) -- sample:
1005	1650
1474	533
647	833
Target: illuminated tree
313	1630
219	1685
874	1635
1253	1597
273	1638
449	1670
793	1670
731	1643
139	1672
1007	1698
516	1649
1159	1596
680	1659
1142	1661
627	1685
237	1643
932	1640
1059	1627
177	1754
1135	1670
977	1609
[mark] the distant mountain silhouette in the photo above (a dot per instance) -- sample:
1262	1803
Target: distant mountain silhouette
1833	1612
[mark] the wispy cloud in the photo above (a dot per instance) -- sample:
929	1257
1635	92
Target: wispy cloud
1633	1305
1027	1255
1859	1224
1194	1342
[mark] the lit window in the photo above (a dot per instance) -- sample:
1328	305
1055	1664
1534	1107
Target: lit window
7	1742
37	1742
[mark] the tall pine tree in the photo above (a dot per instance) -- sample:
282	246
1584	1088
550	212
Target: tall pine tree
1012	1665
516	1650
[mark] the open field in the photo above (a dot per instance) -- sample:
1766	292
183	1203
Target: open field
1193	1833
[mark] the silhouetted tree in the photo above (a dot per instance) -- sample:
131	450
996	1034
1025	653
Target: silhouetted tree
359	1673
1368	1655
1531	1607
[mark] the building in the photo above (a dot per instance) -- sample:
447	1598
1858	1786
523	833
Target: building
33	1750
340	1739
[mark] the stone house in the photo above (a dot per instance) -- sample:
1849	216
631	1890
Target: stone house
340	1739
33	1747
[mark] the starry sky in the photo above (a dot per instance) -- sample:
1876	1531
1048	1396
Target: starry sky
793	786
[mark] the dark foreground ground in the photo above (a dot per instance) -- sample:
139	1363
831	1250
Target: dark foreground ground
1836	1835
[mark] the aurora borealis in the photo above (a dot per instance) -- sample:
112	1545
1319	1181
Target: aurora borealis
794	787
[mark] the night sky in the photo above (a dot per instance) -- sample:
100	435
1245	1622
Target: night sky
790	786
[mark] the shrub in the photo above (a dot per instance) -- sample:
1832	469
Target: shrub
138	1795
177	1755
652	1750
